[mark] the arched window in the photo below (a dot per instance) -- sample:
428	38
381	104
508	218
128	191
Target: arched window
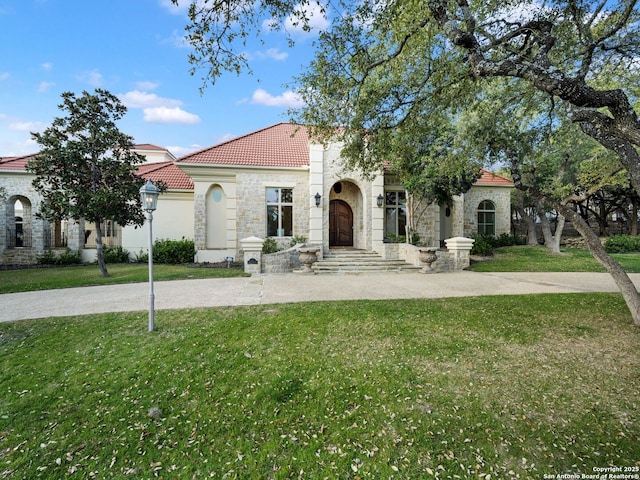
486	218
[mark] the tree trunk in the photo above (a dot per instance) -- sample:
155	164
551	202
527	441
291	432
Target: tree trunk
633	221
603	218
557	236
624	283
529	220
551	241
99	250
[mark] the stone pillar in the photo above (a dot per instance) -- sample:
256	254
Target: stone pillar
252	251
316	185
377	214
460	247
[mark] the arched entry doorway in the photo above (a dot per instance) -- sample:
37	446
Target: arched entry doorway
340	224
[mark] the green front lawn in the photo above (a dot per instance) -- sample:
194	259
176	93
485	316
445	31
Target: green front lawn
494	387
30	279
540	259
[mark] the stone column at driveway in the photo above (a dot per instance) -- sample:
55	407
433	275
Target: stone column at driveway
460	247
252	251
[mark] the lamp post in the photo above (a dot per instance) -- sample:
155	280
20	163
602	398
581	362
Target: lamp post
149	199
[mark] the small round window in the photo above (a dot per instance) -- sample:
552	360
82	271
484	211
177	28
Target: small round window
337	187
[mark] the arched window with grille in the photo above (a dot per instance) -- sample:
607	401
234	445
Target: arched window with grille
487	218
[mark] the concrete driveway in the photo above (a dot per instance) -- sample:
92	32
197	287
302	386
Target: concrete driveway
268	289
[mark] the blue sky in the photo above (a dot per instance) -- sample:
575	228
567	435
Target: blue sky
134	49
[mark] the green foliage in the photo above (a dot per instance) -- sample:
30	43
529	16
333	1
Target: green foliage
68	257
622	244
86	167
296	240
270	245
116	254
175	252
141	257
485	244
482	245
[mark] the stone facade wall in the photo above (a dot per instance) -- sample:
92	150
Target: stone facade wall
448	261
252	202
18	187
501	198
281	262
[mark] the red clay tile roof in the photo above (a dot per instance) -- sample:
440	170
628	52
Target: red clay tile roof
148	146
489	179
168	172
15	163
165	171
281	145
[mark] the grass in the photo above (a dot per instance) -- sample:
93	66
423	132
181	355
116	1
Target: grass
506	259
540	259
24	280
493	387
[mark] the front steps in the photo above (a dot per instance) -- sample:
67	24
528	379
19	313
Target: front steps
359	261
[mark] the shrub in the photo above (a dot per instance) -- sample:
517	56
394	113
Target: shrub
141	257
270	245
296	240
503	240
622	244
116	255
483	245
173	252
68	257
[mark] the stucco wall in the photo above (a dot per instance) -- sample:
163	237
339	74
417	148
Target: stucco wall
172	220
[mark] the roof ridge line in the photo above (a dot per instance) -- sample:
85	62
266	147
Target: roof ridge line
234	139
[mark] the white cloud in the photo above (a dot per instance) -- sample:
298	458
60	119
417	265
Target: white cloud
317	20
17	148
288	99
47	66
27	126
169	115
177	39
273	54
140	99
92	77
182	151
44	86
157	109
147	85
181	8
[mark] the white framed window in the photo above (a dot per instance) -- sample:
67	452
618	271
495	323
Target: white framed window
279	212
395	214
487	218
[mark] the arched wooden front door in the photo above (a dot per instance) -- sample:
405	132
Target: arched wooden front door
340	224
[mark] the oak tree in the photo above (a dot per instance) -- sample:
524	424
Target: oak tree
386	71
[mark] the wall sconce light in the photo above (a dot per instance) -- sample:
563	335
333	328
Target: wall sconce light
379	200
318	197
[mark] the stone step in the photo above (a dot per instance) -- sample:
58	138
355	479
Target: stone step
353	261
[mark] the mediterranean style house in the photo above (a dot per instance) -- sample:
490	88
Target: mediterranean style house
275	182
